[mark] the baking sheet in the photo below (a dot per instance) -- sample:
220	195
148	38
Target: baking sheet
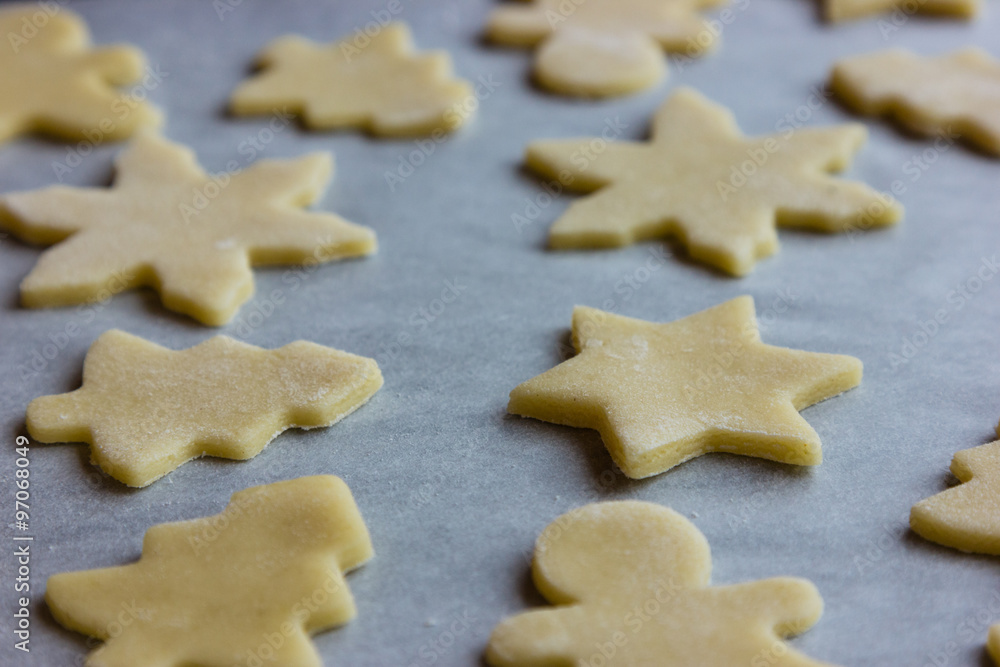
453	490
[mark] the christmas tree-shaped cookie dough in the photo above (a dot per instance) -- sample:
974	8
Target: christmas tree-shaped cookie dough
54	82
965	517
660	394
699	180
147	410
846	10
378	83
955	95
167	224
602	48
631	584
249	584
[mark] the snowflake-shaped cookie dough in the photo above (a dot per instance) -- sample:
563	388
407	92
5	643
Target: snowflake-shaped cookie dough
721	194
660	394
147	410
603	47
167	224
631	584
955	95
247	586
846	10
54	82
378	84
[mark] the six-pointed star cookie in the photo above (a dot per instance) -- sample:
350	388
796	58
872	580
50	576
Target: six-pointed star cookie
660	394
379	85
631	584
212	591
54	82
846	10
603	47
146	409
698	179
955	95
167	224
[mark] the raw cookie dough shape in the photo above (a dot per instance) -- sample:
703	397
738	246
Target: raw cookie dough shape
167	224
965	516
54	82
631	581
212	591
147	410
661	394
602	48
957	94
847	10
689	181
381	86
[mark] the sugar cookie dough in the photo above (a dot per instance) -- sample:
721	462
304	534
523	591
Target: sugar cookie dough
955	95
630	581
378	83
167	224
215	591
54	82
147	410
846	10
965	516
602	48
699	180
660	394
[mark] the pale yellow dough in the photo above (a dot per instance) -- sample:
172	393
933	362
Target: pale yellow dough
382	85
251	583
846	10
660	394
167	224
954	95
147	410
52	81
631	584
690	181
602	48
966	517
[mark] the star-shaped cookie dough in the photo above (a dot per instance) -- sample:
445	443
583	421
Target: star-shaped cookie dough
631	584
698	179
147	410
247	586
54	82
602	48
952	95
377	83
660	394
166	224
847	10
